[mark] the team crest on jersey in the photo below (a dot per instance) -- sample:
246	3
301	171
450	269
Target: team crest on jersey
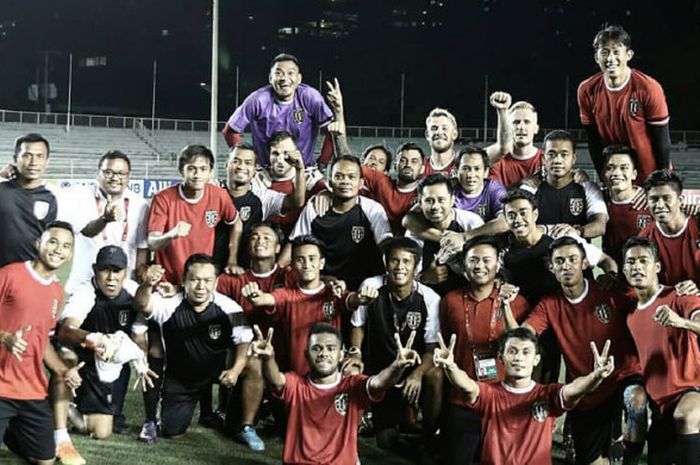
413	320
357	233
482	210
576	206
211	217
328	310
123	317
41	209
298	115
54	309
341	402
643	221
602	312
214	331
540	411
634	106
245	213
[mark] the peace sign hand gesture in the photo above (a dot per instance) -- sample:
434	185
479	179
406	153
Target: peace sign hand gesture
405	356
261	346
335	97
443	356
603	364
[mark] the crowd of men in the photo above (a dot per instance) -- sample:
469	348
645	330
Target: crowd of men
327	287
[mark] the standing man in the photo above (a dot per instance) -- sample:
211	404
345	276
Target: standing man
621	105
30	299
514	156
284	105
396	303
665	328
183	218
441	132
199	328
325	407
476	193
26	206
474	314
676	235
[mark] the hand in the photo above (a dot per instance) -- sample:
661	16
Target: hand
687	287
15	342
405	356
8	171
322	202
112	211
507	293
451	242
443	356
690	208
500	100
665	316
639	200
352	366
335	97
581	176
145	379
154	274
234	269
72	378
261	347
251	291
530	182
295	159
367	294
95	342
411	388
181	229
337	286
607	281
337	128
167	289
603	364
563	229
435	274
228	378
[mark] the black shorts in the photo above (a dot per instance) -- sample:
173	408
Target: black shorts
93	395
178	402
460	434
391	411
593	430
27	426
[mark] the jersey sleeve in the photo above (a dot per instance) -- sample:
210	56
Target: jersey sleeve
229	285
486	397
140	325
655	106
496	193
520	308
432	305
468	220
229	214
303	225
291	386
271	200
282	298
539	317
241	331
359	317
158	214
377	218
689	306
555	399
585	104
163	308
595	203
244	114
80	303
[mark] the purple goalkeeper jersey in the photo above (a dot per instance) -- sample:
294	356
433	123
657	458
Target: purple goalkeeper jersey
487	204
265	116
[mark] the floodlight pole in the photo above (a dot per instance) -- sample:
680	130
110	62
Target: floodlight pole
70	90
214	116
153	98
486	106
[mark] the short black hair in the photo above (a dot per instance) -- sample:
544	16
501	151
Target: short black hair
243	146
563	241
481	240
517	193
561	134
636	241
612	33
190	152
351	159
325	328
309	239
435	179
200	258
620	149
660	178
285	57
278	137
518	333
470	149
114	155
381	148
411	146
403	243
31	138
58	224
273	226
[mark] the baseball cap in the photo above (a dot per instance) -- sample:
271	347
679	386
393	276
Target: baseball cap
110	255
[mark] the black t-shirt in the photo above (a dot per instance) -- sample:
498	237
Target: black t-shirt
527	268
430	249
24	214
565	205
250	211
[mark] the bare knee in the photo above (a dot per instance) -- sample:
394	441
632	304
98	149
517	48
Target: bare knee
433	378
686	415
635	398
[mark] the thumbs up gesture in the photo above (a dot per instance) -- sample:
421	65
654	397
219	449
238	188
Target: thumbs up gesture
15	342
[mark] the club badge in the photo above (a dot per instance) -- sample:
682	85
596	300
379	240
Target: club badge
540	411
328	310
214	331
54	309
413	320
211	217
482	210
41	209
602	312
357	233
298	115
576	206
245	213
123	317
341	403
634	107
643	221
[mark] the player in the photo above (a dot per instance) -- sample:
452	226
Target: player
441	132
325	408
378	158
30	299
621	105
518	414
665	327
474	192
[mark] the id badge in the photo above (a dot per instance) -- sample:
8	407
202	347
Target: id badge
485	367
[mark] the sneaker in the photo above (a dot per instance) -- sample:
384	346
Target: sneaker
149	432
68	455
249	437
120	428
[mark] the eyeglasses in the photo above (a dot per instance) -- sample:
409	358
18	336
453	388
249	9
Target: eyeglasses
115	174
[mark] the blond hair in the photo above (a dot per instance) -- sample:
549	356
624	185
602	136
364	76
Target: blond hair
435	112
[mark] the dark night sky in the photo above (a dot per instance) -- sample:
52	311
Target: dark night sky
528	48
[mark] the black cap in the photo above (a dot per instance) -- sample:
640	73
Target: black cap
110	256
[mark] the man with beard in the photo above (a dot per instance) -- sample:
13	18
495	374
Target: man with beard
474	192
676	235
621	105
324	407
395	303
30	298
441	132
514	156
665	328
